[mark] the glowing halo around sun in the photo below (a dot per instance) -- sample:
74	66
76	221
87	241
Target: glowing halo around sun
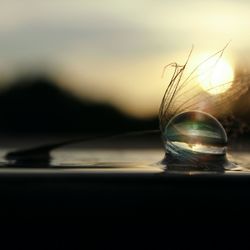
215	76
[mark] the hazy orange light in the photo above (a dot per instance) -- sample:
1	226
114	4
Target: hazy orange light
216	76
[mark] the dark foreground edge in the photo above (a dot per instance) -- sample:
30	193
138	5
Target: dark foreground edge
76	209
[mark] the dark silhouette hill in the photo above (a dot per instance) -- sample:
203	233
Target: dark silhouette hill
36	105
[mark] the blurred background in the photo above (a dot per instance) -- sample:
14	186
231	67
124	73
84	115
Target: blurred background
87	66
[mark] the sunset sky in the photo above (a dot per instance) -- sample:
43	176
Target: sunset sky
114	51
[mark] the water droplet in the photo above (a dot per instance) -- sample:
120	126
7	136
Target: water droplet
195	139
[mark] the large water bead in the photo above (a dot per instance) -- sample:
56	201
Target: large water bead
195	136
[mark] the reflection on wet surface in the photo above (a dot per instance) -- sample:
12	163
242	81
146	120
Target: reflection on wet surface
104	157
121	155
115	161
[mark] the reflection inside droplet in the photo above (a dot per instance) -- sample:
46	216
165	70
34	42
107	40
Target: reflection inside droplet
195	138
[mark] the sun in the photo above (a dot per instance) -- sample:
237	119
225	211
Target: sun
215	75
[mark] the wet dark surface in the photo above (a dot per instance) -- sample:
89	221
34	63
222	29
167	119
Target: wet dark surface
116	193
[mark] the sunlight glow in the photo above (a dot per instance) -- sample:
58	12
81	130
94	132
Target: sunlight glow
215	76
